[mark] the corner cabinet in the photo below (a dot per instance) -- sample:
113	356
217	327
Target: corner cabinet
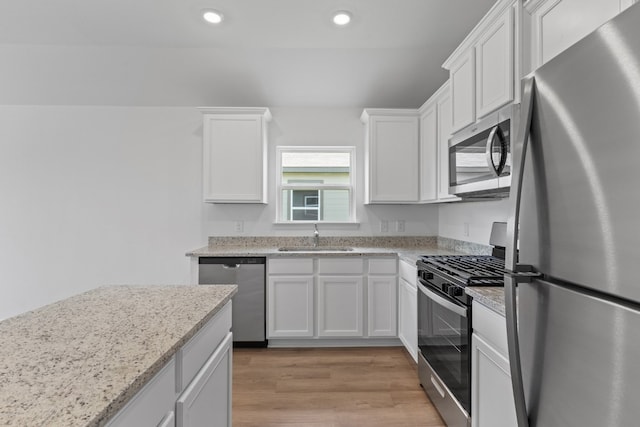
391	155
235	154
491	393
435	130
484	67
557	24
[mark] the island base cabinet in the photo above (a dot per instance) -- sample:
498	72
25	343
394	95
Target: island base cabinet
151	405
207	400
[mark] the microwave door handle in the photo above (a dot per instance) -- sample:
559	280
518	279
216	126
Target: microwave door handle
495	170
511	279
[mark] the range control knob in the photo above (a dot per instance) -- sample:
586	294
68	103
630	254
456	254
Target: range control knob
454	291
426	275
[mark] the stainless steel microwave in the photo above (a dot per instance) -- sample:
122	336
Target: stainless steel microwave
480	156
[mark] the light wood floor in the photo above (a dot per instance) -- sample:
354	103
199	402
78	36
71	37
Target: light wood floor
349	387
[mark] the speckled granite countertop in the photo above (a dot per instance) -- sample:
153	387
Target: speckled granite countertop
78	361
492	297
407	248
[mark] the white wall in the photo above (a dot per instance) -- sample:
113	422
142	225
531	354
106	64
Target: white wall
93	196
478	215
318	126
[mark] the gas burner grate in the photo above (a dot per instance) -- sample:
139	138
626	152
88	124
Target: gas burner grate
479	270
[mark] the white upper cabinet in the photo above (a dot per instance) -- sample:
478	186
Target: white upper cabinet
429	153
235	155
482	69
462	77
435	130
557	24
494	65
391	155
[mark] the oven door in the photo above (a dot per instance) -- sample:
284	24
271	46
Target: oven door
444	328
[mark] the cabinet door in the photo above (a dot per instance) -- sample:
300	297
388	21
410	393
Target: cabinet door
382	306
340	306
290	306
444	133
491	393
408	317
392	159
207	400
558	24
429	155
463	89
494	65
234	158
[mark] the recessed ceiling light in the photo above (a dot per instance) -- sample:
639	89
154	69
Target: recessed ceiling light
212	16
341	18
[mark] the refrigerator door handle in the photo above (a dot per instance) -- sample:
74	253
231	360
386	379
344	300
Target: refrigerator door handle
511	280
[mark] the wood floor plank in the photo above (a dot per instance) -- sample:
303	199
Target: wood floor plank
329	387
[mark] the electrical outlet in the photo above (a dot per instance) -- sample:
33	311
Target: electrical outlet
466	229
400	226
239	226
384	226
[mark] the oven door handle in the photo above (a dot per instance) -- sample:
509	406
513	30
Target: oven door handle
459	310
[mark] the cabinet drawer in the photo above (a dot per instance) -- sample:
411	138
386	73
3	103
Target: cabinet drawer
291	266
207	400
409	272
151	404
491	326
202	345
340	266
383	266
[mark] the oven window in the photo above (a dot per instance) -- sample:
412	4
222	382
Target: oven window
443	339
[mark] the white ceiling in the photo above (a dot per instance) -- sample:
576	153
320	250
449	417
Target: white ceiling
266	53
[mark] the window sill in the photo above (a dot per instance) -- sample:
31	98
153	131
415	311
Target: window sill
307	224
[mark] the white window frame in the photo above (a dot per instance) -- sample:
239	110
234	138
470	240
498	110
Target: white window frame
351	187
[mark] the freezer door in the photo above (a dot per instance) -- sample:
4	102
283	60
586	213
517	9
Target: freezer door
580	358
581	202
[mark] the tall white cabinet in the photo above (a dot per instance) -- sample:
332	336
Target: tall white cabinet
234	153
391	155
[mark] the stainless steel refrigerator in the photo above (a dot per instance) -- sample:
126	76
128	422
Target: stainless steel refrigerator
575	200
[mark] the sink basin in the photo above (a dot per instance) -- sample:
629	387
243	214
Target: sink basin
315	249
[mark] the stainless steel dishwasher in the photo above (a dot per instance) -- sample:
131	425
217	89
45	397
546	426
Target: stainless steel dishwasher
248	322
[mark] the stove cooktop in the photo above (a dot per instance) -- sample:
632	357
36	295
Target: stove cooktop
468	270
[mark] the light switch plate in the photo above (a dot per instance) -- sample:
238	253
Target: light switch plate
400	226
384	226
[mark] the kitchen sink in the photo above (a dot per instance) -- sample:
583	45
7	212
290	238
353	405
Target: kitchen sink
315	249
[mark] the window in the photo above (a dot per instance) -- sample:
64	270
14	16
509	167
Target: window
315	184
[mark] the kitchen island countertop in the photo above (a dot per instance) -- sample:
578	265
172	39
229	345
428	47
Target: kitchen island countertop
78	361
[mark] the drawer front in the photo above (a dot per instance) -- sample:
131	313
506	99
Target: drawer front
151	404
290	266
409	272
491	326
383	265
202	345
344	265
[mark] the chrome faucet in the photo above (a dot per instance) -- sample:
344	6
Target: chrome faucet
316	236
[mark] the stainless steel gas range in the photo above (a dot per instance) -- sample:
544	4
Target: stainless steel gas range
444	325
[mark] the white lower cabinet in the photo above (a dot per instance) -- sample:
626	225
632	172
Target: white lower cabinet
340	306
408	308
207	400
193	388
328	298
290	306
491	393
